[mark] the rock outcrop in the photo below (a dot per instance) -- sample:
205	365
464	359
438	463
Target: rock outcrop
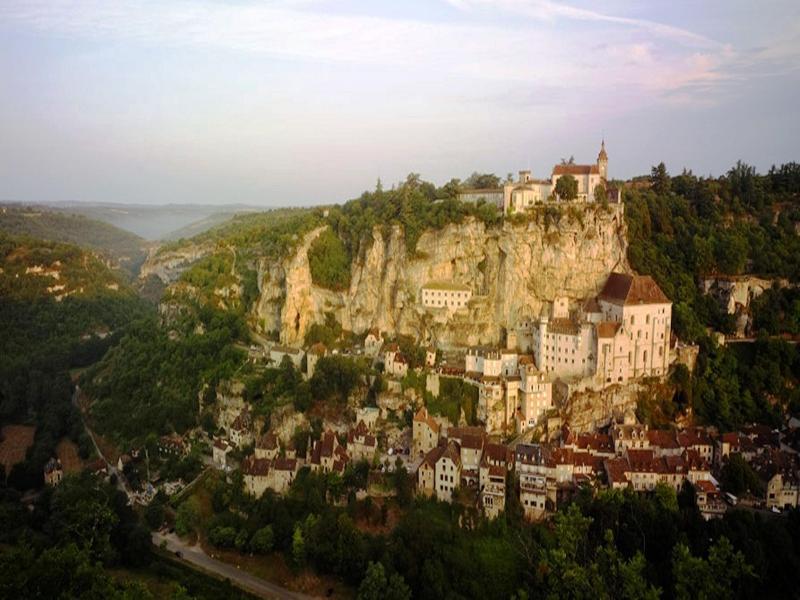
170	264
512	269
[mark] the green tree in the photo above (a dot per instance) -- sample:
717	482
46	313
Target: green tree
376	586
298	547
659	179
567	187
188	516
263	540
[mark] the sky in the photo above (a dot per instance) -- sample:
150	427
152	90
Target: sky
300	102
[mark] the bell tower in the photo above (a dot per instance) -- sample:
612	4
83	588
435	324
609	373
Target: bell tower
602	161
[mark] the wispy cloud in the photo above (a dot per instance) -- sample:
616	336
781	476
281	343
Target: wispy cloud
292	29
549	10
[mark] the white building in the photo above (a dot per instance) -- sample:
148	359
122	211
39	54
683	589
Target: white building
525	193
640	346
535	395
445	294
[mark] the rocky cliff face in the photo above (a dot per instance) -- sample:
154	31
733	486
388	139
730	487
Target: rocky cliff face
512	270
168	266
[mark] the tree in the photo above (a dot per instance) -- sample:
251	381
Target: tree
482	181
188	516
567	187
263	540
659	179
376	586
298	547
720	577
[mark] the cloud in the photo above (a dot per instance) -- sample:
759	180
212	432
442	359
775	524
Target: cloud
646	59
549	10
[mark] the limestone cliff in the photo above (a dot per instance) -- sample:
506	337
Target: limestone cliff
512	269
170	264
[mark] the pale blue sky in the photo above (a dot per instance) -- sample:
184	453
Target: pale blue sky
291	102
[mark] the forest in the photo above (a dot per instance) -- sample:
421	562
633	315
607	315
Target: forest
611	545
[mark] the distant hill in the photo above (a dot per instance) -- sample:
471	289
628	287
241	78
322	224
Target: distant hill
157	222
121	249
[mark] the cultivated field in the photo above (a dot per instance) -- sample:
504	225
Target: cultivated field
67	452
14	443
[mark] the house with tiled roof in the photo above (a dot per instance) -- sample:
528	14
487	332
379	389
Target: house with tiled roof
424	432
395	362
361	444
267	446
426	472
709	500
327	455
219	452
255	474
448	471
172	445
240	433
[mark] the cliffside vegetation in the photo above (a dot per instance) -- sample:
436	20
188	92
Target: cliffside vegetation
151	382
682	229
42	339
415	205
329	262
125	250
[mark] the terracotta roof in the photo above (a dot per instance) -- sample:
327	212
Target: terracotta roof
632	289
255	466
607	329
662	439
432	456
591	306
563	326
472	442
284	464
706	486
496	453
575	170
423	417
452	452
615	470
497	471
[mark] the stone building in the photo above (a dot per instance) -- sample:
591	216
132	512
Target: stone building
445	294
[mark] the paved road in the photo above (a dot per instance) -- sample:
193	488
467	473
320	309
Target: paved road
243	579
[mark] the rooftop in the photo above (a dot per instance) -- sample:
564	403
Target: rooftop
450	286
632	289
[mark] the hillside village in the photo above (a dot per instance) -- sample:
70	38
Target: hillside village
518	443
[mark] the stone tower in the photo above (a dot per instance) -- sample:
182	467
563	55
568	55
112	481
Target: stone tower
602	161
